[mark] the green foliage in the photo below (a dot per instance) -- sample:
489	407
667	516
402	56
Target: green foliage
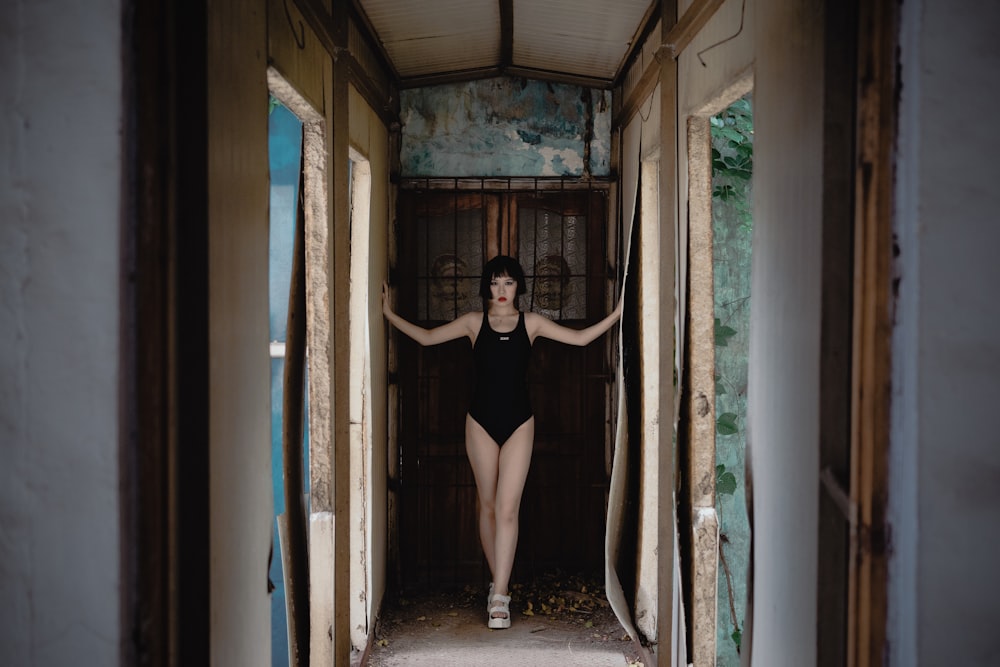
725	482
732	159
732	211
272	104
723	333
726	424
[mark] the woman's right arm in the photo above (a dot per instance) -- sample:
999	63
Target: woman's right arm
461	326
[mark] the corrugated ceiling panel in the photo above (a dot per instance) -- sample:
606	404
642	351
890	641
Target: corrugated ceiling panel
588	38
578	37
425	36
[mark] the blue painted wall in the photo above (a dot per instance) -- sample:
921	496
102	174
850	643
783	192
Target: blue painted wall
505	127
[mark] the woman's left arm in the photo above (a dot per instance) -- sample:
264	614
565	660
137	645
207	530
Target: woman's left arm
539	325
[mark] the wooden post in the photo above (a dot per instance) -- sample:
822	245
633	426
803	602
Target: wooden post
668	305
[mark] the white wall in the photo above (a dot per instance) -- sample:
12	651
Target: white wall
240	497
60	220
783	392
369	266
945	450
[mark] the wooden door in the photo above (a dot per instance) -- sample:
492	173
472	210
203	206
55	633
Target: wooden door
559	238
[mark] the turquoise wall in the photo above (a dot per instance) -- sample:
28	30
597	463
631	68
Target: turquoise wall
284	156
505	127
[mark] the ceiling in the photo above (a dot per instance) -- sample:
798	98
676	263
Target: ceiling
435	41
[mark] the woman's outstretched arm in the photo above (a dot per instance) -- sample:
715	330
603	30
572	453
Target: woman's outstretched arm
539	325
461	326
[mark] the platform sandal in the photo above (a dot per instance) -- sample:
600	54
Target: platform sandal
499	604
489	598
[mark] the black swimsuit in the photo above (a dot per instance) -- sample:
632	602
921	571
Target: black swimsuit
500	403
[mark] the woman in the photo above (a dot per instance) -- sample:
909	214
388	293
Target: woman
500	427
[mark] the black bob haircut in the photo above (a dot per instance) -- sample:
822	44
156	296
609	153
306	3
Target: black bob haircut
501	265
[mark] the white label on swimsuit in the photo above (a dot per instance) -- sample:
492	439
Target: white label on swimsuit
504	337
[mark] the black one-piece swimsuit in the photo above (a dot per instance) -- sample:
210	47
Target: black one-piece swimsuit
500	402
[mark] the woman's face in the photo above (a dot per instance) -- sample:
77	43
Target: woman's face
503	289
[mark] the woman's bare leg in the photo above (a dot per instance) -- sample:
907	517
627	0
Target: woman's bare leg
500	476
484	456
515	458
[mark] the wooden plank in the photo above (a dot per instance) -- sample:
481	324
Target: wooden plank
835	508
673	43
340	219
689	25
643	89
867	593
699	407
667	252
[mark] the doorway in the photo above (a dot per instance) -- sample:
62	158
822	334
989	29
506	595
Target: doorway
560	237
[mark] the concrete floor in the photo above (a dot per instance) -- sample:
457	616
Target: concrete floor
449	629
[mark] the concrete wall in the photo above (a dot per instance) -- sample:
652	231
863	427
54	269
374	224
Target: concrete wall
945	451
60	225
505	127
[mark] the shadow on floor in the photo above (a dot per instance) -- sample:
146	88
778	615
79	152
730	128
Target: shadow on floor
556	621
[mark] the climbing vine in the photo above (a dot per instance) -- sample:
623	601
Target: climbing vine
732	170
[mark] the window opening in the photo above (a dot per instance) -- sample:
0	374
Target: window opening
284	163
732	231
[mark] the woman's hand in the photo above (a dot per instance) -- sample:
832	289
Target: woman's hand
386	310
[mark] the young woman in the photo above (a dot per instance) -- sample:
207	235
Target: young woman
500	427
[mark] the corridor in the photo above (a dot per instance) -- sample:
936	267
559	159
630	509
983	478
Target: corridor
557	620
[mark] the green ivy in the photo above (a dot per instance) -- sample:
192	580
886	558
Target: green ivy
723	333
725	482
732	170
732	158
726	424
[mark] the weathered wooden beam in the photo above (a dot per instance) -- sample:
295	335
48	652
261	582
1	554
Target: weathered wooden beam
699	406
668	253
871	384
506	33
673	41
689	25
340	270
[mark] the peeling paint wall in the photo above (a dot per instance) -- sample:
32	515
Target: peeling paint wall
505	127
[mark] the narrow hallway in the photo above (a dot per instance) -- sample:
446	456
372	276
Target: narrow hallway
557	620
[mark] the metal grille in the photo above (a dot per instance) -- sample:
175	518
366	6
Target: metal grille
457	232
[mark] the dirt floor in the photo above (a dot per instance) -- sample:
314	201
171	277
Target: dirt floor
556	620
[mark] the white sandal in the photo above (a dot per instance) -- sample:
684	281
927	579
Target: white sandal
489	597
499	604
